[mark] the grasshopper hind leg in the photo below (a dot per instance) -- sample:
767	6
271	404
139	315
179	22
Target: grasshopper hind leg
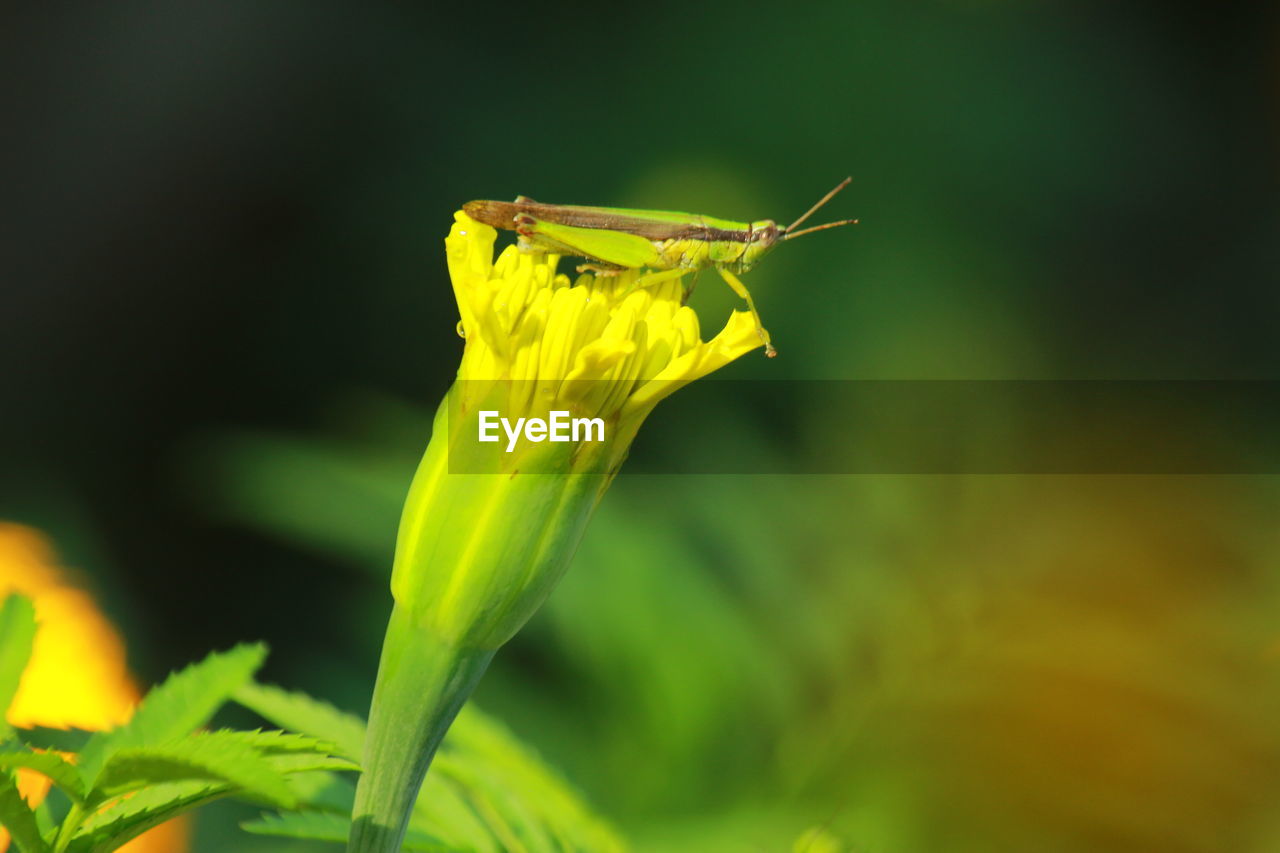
741	289
601	270
529	240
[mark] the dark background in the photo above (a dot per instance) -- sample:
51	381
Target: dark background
224	321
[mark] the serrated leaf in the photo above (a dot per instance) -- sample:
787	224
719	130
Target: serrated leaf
61	740
127	818
486	792
309	762
503	811
301	713
183	703
17	817
506	780
63	773
443	808
318	826
213	757
323	791
17	631
273	741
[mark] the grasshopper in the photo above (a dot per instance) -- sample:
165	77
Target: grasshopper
669	243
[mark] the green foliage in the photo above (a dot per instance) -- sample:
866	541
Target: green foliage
504	781
61	740
279	742
678	646
817	840
17	632
489	793
18	817
128	817
61	772
129	779
184	702
211	758
334	828
485	792
301	713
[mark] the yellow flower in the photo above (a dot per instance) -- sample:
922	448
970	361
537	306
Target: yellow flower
596	346
487	532
478	553
77	675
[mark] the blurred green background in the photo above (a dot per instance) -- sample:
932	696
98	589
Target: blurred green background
226	320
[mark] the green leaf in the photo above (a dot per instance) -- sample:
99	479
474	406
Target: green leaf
317	826
514	791
17	817
62	740
127	818
273	741
444	808
301	713
322	791
184	702
131	815
213	757
63	773
511	824
309	762
486	792
44	813
17	631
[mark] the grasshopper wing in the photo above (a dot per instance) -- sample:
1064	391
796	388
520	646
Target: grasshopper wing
497	214
616	248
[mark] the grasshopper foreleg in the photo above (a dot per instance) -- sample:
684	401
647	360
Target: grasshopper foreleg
741	289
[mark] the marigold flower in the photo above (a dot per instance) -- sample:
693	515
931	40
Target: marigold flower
477	554
76	676
598	346
485	535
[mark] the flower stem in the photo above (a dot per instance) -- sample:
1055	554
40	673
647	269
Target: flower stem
69	826
422	684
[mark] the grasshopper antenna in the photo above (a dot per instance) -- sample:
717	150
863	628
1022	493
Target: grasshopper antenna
791	234
826	198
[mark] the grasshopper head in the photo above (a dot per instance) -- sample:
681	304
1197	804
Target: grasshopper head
762	237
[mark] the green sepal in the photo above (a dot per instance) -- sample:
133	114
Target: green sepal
478	553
